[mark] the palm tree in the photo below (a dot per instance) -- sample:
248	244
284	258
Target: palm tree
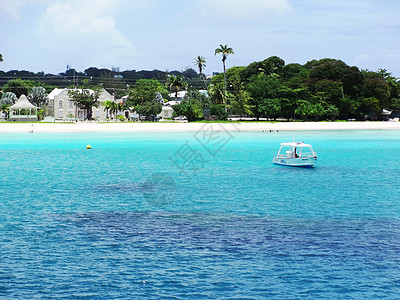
200	62
107	105
175	83
114	109
225	51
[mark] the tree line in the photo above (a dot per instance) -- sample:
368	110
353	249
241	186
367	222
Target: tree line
325	89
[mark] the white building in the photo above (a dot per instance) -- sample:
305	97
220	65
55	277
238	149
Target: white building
23	110
166	112
178	96
62	108
182	94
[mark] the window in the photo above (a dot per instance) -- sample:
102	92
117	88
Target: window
71	104
60	104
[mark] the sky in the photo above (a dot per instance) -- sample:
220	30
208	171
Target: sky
48	35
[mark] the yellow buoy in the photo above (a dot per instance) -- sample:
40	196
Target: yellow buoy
88	147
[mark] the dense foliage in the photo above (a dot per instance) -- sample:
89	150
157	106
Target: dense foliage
38	96
85	97
320	89
146	97
325	89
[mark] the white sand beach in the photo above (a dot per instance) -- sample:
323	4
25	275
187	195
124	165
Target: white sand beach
177	127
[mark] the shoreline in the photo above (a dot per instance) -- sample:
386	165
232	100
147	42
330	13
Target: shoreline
187	127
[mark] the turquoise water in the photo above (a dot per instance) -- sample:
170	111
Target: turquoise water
184	216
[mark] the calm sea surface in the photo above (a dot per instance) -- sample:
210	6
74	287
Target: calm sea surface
199	216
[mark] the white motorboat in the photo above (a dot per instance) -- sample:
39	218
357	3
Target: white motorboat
295	154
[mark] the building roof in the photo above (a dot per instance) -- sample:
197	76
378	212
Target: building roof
172	103
21	103
55	93
181	94
103	94
165	108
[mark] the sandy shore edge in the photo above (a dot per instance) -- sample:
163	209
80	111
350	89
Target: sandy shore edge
181	127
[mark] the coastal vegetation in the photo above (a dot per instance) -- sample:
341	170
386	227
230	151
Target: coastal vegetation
224	50
146	96
325	89
85	97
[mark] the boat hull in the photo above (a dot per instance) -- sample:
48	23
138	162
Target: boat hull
304	162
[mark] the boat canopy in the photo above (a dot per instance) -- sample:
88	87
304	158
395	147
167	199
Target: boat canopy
295	144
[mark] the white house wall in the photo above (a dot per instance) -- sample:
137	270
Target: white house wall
61	108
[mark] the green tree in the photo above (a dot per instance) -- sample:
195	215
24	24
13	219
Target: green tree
224	50
149	109
200	63
271	66
217	90
18	86
317	111
218	111
270	107
86	97
203	98
306	109
384	73
294	76
394	87
336	70
303	109
7	99
115	108
146	96
1	57
369	105
240	104
240	98
192	109
288	107
107	106
377	88
349	108
262	87
175	83
38	96
331	92
332	112
395	104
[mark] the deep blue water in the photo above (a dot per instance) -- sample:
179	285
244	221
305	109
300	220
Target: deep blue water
189	216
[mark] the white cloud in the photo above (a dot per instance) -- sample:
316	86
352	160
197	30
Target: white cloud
12	8
84	28
239	9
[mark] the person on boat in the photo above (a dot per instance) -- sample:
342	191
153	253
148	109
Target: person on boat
295	153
